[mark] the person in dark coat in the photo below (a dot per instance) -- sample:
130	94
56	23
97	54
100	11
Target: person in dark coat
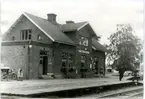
121	73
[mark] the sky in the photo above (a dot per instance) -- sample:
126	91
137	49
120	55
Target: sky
103	15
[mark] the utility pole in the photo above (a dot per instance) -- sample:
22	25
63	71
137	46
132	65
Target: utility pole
0	35
0	38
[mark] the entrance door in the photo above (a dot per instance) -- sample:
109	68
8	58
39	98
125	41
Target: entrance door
64	68
45	63
96	67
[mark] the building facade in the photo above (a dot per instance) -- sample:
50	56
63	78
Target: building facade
42	47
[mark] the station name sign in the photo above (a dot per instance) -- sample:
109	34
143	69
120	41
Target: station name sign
82	51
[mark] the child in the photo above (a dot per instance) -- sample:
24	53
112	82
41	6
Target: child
20	75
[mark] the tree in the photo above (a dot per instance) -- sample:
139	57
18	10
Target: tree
123	49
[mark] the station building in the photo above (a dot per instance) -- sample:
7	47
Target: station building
43	47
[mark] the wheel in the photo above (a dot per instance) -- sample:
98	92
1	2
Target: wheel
14	76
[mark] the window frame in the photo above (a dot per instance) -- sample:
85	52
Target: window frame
39	37
26	34
83	41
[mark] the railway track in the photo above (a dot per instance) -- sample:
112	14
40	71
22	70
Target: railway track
120	93
125	93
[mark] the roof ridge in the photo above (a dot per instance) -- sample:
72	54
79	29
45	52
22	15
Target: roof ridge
34	15
76	23
73	26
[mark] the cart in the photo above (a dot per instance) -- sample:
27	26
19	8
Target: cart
7	73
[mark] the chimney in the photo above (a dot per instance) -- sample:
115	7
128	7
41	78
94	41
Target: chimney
52	18
68	22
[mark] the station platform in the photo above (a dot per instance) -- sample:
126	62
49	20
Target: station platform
32	87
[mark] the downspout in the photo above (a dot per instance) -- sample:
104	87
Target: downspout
29	53
28	62
104	64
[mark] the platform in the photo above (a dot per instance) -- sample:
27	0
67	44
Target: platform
31	87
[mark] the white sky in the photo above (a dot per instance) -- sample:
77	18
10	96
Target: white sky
103	15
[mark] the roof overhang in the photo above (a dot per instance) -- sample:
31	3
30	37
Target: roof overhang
93	47
65	43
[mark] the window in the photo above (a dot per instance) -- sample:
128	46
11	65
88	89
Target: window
83	41
83	57
42	52
70	65
63	65
41	60
101	70
70	57
39	37
64	55
82	65
25	34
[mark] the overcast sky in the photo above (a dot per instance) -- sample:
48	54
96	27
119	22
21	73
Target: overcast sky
103	15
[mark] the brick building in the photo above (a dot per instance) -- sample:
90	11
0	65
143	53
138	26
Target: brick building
42	47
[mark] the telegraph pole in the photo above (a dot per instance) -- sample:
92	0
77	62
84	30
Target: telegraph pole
0	34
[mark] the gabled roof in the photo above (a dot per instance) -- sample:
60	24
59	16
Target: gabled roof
97	46
73	26
54	32
51	30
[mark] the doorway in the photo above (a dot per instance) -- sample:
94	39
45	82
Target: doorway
45	63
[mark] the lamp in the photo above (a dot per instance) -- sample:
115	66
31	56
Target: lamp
30	46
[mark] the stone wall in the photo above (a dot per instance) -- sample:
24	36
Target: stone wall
35	66
15	57
57	59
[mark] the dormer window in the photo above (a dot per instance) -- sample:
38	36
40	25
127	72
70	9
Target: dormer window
26	34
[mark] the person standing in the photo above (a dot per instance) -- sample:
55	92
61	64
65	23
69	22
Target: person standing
121	73
20	75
